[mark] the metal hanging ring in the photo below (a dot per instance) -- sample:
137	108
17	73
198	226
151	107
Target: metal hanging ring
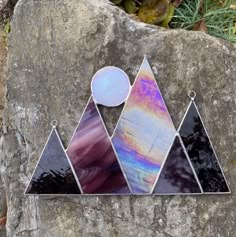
192	94
54	123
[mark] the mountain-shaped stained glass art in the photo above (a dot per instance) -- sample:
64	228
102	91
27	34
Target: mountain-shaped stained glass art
144	132
145	155
53	174
177	175
93	158
201	152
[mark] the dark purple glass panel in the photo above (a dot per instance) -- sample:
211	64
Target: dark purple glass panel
53	174
177	175
201	153
93	157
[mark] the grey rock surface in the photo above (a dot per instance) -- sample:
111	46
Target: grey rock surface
55	48
2	3
3	63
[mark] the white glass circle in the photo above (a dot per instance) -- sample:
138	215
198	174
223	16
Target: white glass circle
110	86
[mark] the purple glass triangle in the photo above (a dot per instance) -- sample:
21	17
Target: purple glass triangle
201	152
53	173
144	132
177	175
92	156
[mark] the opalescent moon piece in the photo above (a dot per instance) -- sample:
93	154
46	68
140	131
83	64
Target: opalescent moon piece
144	132
110	86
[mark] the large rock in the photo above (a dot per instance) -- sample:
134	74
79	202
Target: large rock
2	3
3	63
9	3
55	48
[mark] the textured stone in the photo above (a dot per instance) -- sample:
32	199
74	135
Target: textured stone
55	48
2	80
3	63
9	3
2	3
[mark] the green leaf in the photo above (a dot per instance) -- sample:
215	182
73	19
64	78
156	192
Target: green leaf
169	16
130	6
7	27
153	11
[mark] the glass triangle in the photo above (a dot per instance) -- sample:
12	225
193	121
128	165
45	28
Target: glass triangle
144	132
92	155
53	173
177	175
201	152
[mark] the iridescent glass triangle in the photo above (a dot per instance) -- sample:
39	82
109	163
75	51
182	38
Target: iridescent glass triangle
53	173
144	132
201	152
92	155
177	175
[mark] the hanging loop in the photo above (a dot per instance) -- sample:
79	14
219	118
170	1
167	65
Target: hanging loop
192	94
54	123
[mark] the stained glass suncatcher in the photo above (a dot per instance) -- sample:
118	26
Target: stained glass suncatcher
53	173
177	175
93	158
144	132
201	152
145	154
